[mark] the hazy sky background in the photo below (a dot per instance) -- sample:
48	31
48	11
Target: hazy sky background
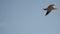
28	17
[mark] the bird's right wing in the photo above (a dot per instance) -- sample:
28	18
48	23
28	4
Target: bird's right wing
47	13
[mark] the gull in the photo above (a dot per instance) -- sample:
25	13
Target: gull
50	8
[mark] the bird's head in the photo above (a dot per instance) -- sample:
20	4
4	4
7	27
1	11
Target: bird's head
54	5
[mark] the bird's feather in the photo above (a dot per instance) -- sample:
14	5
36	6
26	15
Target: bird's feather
47	13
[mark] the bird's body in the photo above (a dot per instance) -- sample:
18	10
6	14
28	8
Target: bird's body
50	8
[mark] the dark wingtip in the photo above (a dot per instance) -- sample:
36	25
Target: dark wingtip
46	14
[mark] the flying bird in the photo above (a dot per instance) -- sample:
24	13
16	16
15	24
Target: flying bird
49	9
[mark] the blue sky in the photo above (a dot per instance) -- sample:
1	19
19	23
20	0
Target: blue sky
28	17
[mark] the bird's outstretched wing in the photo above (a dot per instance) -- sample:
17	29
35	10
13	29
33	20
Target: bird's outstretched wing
47	13
45	9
